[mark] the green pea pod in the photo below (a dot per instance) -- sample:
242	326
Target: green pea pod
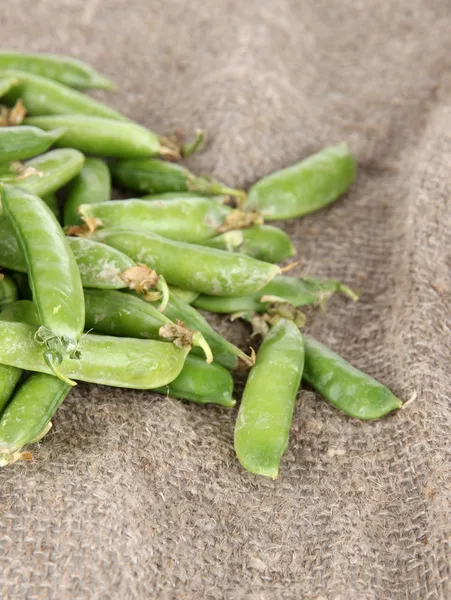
263	242
21	281
53	272
69	71
27	416
105	360
46	173
266	412
9	377
192	267
103	137
42	96
21	311
305	187
100	266
297	291
92	184
202	383
186	220
187	296
157	176
350	390
6	83
19	143
8	290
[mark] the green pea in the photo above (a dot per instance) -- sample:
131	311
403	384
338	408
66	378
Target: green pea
52	269
103	137
69	71
263	242
192	267
18	143
187	296
186	220
355	393
9	377
266	412
8	290
42	96
297	291
6	83
157	176
117	362
27	416
305	187
202	383
92	184
46	173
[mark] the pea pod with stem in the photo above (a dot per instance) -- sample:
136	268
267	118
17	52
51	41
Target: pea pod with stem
192	267
46	173
153	176
305	187
185	219
53	273
296	291
100	266
8	290
69	71
19	143
91	185
105	360
9	377
266	411
350	390
27	418
104	137
263	242
42	96
187	296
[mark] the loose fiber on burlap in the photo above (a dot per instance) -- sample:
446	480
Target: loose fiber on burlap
137	496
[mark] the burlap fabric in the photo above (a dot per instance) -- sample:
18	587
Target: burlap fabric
137	496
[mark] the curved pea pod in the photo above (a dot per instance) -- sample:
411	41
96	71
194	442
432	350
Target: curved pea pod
6	83
266	411
42	96
21	311
186	220
221	198
103	137
106	360
8	290
19	143
9	377
263	242
202	383
157	176
305	187
187	296
296	291
52	202
350	390
27	417
69	71
53	273
46	173
192	267
91	185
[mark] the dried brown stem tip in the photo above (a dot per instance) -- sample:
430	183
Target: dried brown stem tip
13	116
178	333
142	279
240	219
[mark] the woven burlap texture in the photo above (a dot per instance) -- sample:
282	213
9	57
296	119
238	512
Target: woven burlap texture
138	496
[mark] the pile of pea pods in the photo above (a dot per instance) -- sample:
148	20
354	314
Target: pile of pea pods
108	292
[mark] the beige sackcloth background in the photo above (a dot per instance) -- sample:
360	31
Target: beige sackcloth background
137	496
